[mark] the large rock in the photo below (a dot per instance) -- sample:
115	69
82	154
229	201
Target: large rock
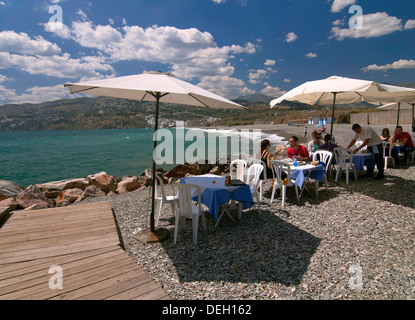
103	181
52	189
68	196
91	192
9	189
128	184
181	170
33	195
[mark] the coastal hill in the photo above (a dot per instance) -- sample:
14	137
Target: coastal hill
112	113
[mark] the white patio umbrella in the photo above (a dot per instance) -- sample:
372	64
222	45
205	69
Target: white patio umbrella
399	106
157	87
345	90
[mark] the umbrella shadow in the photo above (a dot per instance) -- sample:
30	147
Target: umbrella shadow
381	190
254	249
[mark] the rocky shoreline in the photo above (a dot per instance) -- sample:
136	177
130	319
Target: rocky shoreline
65	192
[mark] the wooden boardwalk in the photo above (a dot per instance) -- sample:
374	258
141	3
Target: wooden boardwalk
83	242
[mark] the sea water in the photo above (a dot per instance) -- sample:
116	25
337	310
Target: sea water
42	156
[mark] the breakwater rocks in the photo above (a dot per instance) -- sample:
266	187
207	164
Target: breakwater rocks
65	192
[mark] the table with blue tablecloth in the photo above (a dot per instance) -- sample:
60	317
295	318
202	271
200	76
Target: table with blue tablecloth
363	159
215	193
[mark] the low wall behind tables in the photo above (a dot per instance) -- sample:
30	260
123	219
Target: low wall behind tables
380	118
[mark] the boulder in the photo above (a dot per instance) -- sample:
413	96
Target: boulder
103	181
33	194
9	203
181	170
52	189
68	196
91	192
9	189
128	184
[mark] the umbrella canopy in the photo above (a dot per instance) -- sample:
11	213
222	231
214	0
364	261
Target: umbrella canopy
143	87
345	90
157	87
399	106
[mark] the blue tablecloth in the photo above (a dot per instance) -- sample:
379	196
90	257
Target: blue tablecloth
300	173
213	198
363	159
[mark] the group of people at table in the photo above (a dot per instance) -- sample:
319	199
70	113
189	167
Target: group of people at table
401	142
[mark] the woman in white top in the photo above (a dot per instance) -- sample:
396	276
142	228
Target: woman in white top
315	143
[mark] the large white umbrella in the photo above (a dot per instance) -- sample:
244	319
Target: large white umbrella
399	106
157	87
345	90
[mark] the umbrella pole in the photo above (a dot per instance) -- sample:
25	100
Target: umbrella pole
332	114
413	118
399	110
153	235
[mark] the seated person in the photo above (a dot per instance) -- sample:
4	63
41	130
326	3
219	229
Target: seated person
326	144
315	143
298	150
385	136
403	142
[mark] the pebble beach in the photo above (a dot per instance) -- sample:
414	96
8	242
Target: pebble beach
353	242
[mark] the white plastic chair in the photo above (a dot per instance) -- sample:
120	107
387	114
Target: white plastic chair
344	160
387	153
252	179
238	172
277	168
160	198
326	157
187	209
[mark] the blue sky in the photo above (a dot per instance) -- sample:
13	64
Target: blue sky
231	47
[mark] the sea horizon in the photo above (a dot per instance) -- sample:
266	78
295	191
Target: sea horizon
36	157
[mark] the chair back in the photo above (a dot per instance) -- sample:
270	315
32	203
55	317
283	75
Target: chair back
185	198
387	149
278	167
240	169
159	189
323	156
342	155
254	173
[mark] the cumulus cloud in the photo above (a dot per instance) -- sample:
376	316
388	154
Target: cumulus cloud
225	86
339	5
400	64
272	91
374	25
410	24
311	55
189	53
270	62
11	41
291	37
35	94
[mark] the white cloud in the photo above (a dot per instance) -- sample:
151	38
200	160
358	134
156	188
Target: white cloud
219	1
255	76
400	64
21	43
339	5
291	37
374	25
410	24
287	80
311	55
35	94
272	91
225	86
270	62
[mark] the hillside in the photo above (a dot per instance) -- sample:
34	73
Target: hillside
112	113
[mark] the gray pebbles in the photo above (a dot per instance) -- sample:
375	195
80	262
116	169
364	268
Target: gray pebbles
354	241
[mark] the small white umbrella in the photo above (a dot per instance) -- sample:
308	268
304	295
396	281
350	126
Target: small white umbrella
345	90
157	87
399	106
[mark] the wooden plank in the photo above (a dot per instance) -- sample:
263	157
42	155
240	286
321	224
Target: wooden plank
83	240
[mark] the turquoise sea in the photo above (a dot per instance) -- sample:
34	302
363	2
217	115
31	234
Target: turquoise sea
42	156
